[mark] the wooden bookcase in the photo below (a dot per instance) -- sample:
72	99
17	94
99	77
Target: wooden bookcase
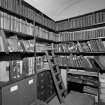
22	19
77	30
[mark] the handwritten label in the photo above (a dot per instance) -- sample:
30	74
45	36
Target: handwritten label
30	81
14	88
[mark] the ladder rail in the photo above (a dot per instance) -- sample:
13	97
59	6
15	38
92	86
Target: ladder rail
57	78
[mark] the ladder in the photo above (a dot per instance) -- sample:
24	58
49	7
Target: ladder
56	75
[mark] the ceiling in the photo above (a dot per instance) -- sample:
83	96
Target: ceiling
61	9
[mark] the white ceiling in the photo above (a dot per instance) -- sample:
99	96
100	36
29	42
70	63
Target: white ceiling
61	9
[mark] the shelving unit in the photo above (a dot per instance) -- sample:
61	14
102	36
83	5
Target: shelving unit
23	17
78	30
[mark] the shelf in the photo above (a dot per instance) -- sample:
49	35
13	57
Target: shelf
102	38
27	37
82	83
74	53
78	68
7	56
90	93
42	40
45	27
80	53
19	34
25	18
43	70
84	28
3	84
40	53
81	72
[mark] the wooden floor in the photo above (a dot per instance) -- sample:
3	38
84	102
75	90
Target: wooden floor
74	98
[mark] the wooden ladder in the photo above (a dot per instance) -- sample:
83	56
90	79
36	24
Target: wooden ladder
56	75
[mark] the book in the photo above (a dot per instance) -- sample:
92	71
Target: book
4	71
15	69
25	45
31	64
84	46
14	45
2	45
25	67
3	42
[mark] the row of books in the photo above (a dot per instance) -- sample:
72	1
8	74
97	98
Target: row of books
74	61
42	33
95	45
11	70
82	21
19	7
82	35
92	46
12	23
102	87
41	47
14	44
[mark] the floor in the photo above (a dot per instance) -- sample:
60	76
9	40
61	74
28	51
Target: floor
74	98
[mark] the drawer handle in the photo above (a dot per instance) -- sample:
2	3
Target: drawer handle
14	88
30	81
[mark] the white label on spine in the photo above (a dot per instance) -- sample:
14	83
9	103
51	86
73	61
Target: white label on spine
14	88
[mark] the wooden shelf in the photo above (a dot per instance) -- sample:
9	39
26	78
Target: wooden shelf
27	37
83	28
3	84
40	53
78	68
7	56
42	40
81	53
43	70
79	72
18	34
74	53
82	83
102	38
26	18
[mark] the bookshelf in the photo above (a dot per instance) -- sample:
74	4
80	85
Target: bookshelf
82	37
19	37
82	22
23	10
